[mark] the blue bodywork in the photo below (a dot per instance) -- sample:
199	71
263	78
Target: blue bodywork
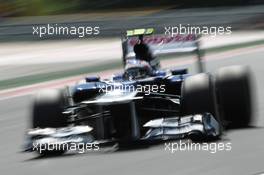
93	86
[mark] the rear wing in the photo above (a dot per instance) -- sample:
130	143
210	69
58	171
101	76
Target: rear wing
162	44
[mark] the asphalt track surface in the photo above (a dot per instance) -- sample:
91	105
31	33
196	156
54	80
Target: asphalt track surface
246	156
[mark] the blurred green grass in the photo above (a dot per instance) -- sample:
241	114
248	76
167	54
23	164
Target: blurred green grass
44	7
51	7
37	7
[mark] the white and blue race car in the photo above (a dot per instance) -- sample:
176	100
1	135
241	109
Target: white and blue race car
142	104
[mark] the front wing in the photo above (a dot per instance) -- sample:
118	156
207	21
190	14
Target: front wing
198	127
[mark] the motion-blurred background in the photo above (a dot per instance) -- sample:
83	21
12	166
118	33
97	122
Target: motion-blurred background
29	63
50	7
18	16
23	58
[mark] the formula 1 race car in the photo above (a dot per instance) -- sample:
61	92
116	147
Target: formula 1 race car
142	104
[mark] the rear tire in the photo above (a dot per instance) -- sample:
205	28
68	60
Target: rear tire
47	109
234	95
198	96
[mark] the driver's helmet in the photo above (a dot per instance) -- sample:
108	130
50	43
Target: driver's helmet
137	69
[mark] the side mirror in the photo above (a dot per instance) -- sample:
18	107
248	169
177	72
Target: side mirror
92	79
117	77
179	71
160	73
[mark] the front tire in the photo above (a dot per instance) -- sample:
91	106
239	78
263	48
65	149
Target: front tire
198	96
47	109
